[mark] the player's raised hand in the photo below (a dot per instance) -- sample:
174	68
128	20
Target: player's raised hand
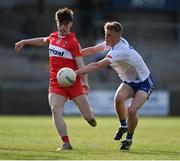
18	46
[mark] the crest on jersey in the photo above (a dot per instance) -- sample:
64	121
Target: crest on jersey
58	41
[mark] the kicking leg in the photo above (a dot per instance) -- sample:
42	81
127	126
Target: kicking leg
85	109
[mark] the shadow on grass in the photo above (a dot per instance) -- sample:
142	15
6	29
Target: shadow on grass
19	149
20	153
156	152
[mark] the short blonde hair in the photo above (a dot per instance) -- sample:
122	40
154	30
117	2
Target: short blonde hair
113	26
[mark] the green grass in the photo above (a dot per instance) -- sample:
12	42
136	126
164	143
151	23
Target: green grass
34	137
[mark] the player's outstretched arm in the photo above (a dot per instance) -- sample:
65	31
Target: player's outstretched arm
93	66
92	50
41	41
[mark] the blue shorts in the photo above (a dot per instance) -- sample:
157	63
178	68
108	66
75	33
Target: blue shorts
147	85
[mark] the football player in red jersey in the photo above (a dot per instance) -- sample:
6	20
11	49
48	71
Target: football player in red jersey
64	51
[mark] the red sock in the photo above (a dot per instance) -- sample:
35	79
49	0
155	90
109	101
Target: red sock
65	139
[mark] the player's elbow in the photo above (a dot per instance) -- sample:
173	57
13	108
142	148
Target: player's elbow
97	65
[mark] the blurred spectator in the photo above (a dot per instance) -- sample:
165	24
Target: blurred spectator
86	10
36	20
41	6
98	19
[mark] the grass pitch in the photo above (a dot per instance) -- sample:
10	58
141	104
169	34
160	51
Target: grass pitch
34	138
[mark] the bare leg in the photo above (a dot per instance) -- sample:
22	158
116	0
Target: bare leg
56	103
85	109
137	102
123	92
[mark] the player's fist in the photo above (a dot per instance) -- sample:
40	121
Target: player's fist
18	46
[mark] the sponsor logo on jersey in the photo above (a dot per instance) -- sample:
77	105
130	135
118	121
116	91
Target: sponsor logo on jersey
59	52
55	52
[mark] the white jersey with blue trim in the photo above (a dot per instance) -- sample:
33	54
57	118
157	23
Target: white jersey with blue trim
127	62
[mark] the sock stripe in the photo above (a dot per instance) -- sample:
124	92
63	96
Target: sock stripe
65	139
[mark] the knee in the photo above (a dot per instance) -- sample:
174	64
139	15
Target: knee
132	112
119	98
54	110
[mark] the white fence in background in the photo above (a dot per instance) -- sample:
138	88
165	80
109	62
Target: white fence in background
102	103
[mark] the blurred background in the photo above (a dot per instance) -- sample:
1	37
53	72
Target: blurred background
152	27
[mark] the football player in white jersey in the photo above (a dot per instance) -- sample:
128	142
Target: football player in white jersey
136	79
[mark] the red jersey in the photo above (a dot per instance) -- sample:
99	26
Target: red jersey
62	51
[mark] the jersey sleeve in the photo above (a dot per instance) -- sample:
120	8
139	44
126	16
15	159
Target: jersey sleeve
76	49
50	36
48	39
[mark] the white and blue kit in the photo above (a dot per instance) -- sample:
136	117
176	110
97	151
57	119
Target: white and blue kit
130	66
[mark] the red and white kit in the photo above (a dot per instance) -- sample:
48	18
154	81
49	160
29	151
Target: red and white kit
62	53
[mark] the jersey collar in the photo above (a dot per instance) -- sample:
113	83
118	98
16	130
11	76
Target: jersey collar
71	34
116	44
